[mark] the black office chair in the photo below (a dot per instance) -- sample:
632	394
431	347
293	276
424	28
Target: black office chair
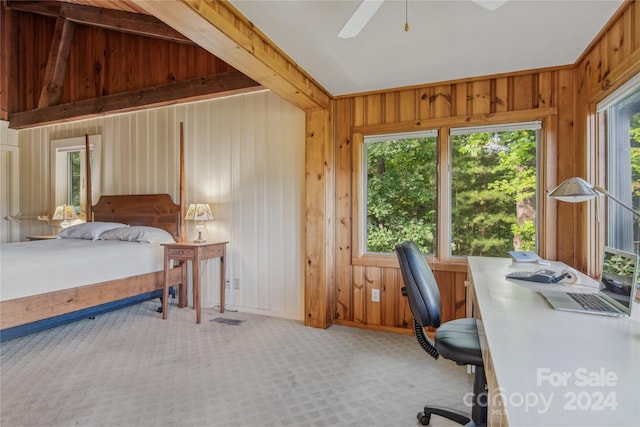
455	340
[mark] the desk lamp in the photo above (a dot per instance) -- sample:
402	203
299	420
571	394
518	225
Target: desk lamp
64	213
199	212
576	190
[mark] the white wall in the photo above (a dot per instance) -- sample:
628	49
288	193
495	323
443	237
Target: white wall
243	154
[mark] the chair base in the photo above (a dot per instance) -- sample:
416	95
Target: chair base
478	416
459	417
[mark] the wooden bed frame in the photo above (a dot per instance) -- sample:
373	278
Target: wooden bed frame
23	316
30	314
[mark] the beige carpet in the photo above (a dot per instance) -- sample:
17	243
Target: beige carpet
131	368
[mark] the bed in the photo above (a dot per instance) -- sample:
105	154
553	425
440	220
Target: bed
123	267
42	287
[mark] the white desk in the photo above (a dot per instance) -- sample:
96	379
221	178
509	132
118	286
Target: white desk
552	368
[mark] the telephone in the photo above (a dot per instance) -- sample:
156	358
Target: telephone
541	276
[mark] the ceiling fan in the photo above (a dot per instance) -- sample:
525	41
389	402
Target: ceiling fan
368	8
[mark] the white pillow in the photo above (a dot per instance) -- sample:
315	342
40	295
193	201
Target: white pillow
88	230
138	233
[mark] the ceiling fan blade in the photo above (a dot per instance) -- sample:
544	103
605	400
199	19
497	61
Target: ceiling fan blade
490	4
359	19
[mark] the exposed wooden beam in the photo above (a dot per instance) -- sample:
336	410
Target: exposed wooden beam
222	30
191	90
57	63
109	19
48	8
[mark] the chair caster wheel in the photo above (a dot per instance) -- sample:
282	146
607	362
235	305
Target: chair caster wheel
159	310
424	418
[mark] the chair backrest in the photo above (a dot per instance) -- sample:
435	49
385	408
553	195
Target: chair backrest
420	285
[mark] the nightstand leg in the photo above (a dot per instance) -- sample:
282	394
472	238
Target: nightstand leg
182	290
222	278
196	287
165	285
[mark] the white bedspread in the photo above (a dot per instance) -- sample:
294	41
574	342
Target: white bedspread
32	268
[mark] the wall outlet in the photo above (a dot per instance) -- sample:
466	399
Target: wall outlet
375	295
227	284
236	284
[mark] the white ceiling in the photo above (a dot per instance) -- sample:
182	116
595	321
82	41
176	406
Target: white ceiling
446	40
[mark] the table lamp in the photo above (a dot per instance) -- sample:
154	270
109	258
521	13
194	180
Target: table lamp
64	213
576	190
199	212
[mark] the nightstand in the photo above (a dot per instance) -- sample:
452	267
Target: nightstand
44	237
194	252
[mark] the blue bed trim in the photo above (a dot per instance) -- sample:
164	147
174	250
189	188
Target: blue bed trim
41	325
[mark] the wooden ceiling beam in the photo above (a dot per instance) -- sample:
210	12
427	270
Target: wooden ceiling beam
57	63
47	8
211	87
222	30
108	19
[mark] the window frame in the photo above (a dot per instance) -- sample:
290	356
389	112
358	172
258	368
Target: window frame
547	178
599	166
60	175
371	139
535	125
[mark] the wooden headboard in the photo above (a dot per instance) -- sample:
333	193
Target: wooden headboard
154	210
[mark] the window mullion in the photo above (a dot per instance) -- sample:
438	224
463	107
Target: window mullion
443	240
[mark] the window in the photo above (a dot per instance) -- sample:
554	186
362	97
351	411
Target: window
401	189
622	115
68	172
474	194
493	189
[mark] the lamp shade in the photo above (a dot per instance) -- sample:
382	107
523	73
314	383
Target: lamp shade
574	190
64	213
199	212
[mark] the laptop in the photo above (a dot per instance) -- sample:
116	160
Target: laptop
617	288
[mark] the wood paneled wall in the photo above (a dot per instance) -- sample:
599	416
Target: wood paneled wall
611	60
570	142
483	101
102	62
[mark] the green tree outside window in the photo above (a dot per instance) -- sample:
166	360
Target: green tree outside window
401	194
493	193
